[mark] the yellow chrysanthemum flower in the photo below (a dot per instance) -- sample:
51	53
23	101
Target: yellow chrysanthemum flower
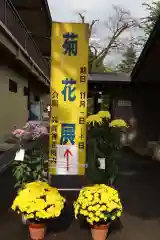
104	114
118	123
104	205
93	119
38	200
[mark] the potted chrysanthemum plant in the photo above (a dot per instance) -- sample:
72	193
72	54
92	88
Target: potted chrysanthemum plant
38	201
98	205
104	144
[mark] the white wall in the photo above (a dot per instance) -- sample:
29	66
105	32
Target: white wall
13	106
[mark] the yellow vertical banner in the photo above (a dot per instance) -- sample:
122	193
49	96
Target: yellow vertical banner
69	81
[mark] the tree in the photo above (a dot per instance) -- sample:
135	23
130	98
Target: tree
120	22
129	61
153	14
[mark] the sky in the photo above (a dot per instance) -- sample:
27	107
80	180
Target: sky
67	11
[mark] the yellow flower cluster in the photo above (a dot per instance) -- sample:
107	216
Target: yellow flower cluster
104	114
118	123
92	119
101	115
38	200
98	118
98	204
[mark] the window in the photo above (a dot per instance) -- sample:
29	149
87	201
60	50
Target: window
12	86
25	91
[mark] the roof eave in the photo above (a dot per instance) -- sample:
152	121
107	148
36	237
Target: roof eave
48	10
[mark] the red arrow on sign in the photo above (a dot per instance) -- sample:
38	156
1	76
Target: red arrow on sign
66	154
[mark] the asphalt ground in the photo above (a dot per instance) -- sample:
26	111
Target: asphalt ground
139	187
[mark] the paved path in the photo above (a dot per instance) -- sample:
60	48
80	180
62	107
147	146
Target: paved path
139	186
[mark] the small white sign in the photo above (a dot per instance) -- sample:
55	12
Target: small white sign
124	103
67	160
100	100
102	163
20	155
